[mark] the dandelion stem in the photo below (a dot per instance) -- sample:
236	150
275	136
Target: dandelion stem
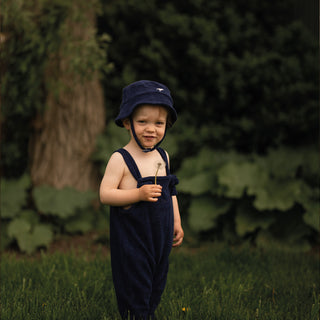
155	177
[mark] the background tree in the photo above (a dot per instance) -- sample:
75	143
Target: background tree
52	111
65	133
54	92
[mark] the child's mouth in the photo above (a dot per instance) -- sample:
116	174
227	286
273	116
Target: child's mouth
149	137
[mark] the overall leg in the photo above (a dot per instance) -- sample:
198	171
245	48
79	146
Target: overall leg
159	283
132	268
164	247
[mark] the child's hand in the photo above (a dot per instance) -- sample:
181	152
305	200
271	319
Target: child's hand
150	192
178	235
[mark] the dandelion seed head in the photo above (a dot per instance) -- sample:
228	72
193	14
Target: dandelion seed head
159	164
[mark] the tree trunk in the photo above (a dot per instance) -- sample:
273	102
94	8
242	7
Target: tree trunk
65	134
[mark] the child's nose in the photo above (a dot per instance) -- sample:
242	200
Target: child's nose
150	127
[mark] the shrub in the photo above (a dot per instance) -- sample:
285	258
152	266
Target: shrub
243	78
53	212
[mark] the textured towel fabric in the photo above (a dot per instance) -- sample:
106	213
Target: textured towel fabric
141	240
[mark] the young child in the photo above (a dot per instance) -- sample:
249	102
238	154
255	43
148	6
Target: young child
144	218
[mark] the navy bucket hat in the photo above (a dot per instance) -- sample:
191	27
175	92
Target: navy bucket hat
145	92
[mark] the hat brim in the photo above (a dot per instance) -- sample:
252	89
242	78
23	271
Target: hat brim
127	108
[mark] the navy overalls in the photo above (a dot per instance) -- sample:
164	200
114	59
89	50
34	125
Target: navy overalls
141	240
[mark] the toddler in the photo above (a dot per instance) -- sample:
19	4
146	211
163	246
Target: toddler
144	217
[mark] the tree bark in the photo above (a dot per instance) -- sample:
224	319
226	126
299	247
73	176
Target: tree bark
65	134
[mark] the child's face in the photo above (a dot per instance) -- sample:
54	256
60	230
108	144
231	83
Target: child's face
149	124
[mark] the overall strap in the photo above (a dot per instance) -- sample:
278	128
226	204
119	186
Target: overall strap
165	159
131	164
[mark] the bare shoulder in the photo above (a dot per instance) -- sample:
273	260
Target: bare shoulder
116	161
114	172
116	156
116	166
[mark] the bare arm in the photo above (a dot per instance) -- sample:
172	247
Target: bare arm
109	188
178	233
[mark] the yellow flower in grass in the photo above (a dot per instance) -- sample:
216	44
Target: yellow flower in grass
185	309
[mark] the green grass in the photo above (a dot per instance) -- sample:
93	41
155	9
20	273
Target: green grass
212	283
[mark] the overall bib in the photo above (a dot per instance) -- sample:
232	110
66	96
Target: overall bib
141	240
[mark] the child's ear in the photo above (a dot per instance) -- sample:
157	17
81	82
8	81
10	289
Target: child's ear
126	123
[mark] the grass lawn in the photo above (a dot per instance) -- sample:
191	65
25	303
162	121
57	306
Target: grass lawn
215	282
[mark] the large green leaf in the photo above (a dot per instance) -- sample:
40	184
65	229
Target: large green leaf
30	216
78	225
284	187
204	210
283	163
200	163
5	240
29	238
82	222
199	184
198	174
41	236
62	203
248	219
13	196
309	199
281	195
17	227
312	214
237	177
207	160
259	179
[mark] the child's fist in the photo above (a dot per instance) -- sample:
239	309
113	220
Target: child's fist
150	192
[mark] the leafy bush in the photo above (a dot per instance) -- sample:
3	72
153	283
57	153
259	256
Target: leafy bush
54	212
268	199
17	222
242	75
273	197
